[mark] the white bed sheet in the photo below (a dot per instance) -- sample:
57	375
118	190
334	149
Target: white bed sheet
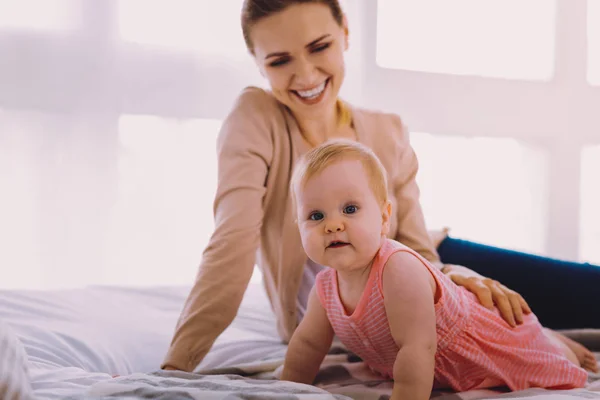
75	338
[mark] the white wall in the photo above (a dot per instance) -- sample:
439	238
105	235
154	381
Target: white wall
559	115
107	146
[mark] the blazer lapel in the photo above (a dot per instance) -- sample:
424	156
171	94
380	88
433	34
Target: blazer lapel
292	254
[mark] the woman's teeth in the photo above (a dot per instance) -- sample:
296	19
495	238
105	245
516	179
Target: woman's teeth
312	93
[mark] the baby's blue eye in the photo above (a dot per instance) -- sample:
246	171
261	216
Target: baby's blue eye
316	216
350	209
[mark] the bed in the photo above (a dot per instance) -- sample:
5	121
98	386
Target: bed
107	343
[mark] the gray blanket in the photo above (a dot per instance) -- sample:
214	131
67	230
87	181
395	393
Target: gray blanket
342	376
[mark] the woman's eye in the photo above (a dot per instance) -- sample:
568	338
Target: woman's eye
279	62
350	209
316	216
320	47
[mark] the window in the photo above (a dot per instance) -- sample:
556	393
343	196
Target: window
204	26
163	213
43	202
593	40
511	39
91	202
17	213
488	190
35	14
590	199
163	216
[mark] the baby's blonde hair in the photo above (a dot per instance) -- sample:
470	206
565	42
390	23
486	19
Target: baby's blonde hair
318	159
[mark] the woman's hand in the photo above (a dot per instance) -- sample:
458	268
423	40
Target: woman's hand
490	293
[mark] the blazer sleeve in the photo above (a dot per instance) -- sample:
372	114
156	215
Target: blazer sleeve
244	152
412	231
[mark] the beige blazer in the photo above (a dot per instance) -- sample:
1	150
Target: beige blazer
257	148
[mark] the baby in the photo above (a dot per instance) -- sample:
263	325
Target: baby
391	307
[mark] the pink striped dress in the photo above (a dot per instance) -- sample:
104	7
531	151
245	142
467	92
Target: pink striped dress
476	347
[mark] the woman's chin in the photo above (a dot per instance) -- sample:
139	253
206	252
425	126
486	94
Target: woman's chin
317	110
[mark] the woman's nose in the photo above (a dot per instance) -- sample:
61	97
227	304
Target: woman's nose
306	75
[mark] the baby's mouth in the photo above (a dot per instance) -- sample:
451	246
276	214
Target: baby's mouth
335	245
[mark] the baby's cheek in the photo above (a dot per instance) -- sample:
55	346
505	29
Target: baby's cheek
371	241
310	247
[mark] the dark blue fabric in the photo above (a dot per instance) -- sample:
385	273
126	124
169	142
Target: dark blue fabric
563	294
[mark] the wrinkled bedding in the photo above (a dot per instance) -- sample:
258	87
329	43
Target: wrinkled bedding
76	341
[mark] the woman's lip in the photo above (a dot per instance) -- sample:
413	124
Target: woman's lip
316	99
311	88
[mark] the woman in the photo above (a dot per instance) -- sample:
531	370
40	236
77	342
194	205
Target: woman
299	47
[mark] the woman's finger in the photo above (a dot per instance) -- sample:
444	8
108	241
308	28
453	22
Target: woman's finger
524	306
515	302
513	298
483	292
502	302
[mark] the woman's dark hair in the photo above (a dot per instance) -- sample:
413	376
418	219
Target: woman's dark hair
254	10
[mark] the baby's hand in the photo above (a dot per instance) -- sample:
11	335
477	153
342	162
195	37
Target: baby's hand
277	372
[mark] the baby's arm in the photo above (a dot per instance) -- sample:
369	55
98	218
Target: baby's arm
309	344
409	292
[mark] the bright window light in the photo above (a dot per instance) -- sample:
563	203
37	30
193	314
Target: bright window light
511	39
163	217
204	26
40	15
19	228
593	40
589	249
468	185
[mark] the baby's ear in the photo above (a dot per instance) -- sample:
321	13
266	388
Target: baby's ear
386	215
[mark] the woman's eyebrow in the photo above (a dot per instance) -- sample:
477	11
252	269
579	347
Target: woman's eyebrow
317	40
285	53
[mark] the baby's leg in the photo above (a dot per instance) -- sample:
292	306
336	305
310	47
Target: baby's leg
567	351
574	351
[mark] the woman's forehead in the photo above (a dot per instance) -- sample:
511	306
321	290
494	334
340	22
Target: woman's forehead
294	27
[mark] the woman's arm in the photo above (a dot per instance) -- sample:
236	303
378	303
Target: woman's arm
309	344
413	233
409	291
244	149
